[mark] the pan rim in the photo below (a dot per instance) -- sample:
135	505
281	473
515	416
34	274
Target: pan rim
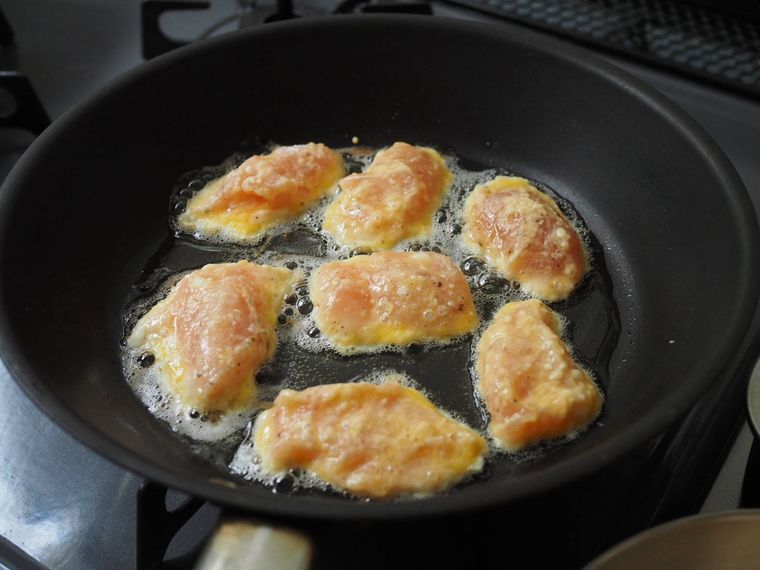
470	498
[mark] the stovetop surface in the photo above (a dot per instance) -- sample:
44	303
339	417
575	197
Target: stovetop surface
63	506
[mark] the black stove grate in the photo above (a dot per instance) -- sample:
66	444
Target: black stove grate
19	105
692	40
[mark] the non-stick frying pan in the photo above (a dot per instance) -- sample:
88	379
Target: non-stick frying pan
87	205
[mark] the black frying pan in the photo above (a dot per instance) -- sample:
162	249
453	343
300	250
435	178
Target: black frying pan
86	207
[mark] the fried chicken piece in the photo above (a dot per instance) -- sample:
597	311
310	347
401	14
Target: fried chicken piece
393	200
523	234
213	331
532	387
391	298
262	192
371	440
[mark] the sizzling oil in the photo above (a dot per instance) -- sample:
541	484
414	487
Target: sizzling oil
444	371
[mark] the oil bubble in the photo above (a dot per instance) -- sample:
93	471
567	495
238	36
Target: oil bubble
146	359
284	484
304	305
473	266
359	251
490	282
265	375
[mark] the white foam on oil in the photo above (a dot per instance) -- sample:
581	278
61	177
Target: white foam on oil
151	387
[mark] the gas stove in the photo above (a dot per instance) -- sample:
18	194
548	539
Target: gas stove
63	506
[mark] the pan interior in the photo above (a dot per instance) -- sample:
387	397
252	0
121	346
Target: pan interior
87	206
445	372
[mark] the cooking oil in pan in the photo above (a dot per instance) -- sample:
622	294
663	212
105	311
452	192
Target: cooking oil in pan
444	371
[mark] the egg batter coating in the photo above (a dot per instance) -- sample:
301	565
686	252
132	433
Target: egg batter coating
371	440
394	298
263	191
213	331
531	386
525	236
393	200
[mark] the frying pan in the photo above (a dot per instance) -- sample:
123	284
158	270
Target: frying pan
86	206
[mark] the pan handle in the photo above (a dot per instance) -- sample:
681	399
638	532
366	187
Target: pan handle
237	541
239	544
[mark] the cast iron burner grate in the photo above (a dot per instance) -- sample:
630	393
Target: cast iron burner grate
19	105
155	42
691	40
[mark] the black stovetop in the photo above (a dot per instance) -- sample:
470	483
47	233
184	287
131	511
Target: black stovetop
63	506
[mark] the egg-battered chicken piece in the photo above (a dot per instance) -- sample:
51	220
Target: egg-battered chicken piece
371	440
523	234
531	386
393	200
263	191
213	331
391	298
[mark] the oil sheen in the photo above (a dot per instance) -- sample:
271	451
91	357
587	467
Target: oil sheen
444	371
